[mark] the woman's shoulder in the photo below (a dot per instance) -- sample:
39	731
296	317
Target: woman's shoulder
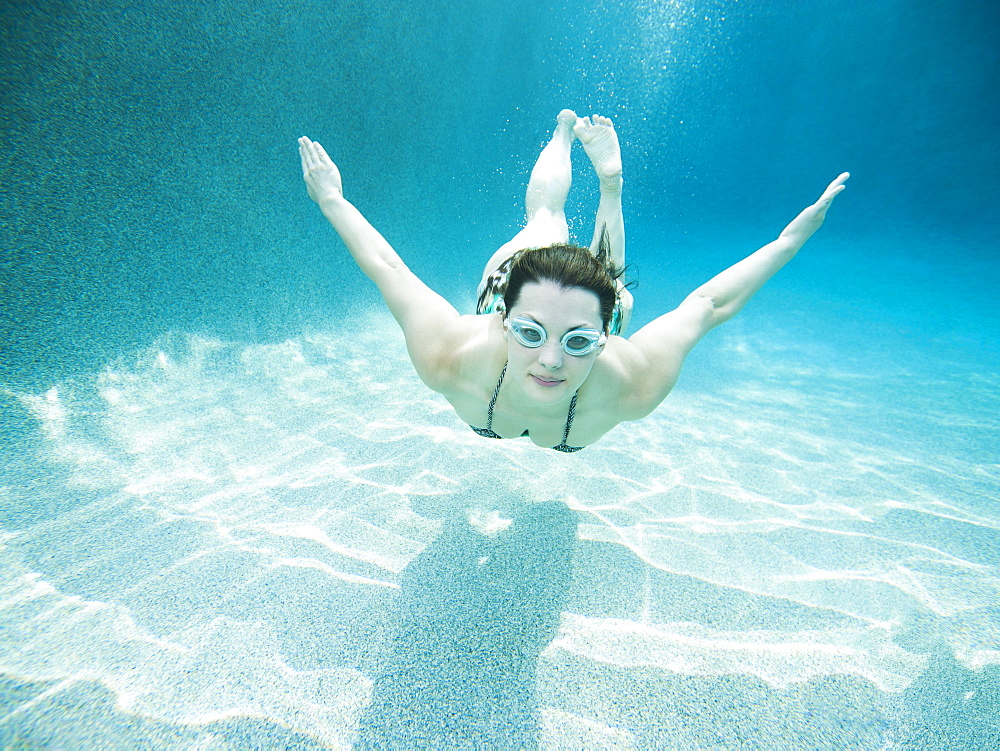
464	354
625	382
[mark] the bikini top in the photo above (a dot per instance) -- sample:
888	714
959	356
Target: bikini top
487	432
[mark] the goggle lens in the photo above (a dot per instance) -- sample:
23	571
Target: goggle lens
528	334
580	343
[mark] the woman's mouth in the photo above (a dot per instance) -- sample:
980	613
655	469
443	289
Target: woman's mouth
546	382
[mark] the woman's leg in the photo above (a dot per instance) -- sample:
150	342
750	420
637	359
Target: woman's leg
600	141
545	197
601	144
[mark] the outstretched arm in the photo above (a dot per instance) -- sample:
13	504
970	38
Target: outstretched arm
422	314
665	341
728	292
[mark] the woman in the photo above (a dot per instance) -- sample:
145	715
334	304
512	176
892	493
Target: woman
543	357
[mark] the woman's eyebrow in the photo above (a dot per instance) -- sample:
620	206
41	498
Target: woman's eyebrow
534	319
587	326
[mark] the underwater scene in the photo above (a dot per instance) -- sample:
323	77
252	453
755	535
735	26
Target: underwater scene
233	517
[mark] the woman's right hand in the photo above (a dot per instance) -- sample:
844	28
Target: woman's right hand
320	173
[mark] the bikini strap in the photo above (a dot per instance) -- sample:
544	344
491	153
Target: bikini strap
496	393
569	419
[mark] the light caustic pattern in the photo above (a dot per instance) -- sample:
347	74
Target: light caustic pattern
234	521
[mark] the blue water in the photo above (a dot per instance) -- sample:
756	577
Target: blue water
232	517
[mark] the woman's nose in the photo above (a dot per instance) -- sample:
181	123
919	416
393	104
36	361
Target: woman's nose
550	355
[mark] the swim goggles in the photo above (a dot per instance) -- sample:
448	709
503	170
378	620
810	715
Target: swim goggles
578	342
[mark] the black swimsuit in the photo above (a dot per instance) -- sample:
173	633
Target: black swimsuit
487	432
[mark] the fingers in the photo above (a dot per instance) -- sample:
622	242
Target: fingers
313	155
841	179
835	188
321	155
305	146
839	182
306	154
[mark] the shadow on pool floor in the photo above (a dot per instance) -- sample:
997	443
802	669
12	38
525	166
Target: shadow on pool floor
474	614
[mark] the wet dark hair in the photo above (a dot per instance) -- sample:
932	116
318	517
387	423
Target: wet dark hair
568	266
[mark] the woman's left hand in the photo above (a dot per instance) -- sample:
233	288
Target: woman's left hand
811	219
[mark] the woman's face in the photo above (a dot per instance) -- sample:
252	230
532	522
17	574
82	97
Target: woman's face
547	373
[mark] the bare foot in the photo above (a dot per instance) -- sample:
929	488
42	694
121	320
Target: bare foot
601	144
567	117
553	173
565	123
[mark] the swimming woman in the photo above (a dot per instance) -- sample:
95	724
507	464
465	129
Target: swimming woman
545	357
